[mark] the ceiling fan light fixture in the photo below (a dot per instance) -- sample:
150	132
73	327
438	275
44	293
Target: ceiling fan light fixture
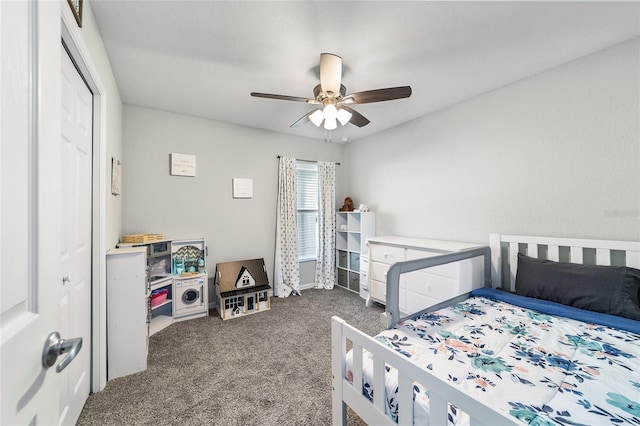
317	117
330	114
330	123
344	116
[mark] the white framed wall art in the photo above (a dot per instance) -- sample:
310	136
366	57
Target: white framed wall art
242	188
183	164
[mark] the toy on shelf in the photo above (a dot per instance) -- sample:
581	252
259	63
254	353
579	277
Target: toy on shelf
178	265
348	205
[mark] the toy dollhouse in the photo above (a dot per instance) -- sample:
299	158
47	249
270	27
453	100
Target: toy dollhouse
242	288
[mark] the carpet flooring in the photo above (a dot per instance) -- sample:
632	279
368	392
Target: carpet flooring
269	368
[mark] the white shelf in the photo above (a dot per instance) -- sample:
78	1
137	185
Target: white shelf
341	240
164	282
166	302
353	229
353	222
353	242
159	322
126	245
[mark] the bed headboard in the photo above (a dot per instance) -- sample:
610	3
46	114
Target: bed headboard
505	249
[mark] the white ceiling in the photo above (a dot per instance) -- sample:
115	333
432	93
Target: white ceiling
203	58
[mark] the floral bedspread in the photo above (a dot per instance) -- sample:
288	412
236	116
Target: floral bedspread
540	369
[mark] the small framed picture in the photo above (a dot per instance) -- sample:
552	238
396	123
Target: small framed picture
183	164
242	188
76	8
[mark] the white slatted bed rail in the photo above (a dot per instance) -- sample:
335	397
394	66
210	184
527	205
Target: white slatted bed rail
442	393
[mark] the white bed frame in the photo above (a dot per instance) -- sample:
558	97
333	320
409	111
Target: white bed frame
500	260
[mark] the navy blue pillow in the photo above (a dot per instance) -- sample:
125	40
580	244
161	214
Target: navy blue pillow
613	290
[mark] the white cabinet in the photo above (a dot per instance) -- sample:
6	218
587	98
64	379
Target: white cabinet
427	287
127	328
352	231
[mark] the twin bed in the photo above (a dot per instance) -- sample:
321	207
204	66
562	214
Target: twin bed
560	346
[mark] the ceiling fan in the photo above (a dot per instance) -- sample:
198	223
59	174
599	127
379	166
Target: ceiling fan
332	99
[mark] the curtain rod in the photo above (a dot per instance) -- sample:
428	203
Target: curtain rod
309	161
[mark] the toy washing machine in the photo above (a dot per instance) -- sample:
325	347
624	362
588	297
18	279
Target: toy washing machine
190	297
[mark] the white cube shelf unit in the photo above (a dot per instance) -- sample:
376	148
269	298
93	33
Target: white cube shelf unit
352	231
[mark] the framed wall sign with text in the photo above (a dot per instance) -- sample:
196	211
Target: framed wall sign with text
183	164
242	188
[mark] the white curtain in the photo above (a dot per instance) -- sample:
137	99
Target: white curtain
287	269
326	261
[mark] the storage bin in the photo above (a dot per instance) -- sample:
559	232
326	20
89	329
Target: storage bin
342	278
158	297
354	261
354	281
142	238
342	259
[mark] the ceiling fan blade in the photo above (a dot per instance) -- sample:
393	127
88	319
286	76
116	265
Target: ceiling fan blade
378	95
357	119
330	73
283	97
302	120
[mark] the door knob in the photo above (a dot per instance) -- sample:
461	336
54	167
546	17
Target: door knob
54	346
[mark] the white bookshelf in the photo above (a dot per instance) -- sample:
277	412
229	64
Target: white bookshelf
352	231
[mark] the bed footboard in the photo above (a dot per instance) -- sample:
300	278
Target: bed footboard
350	393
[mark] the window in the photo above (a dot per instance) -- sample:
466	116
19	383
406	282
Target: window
307	188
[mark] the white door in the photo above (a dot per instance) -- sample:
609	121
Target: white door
29	217
75	235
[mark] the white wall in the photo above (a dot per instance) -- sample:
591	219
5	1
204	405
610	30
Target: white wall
202	206
113	116
557	154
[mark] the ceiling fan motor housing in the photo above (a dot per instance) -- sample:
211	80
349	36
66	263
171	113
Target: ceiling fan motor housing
320	96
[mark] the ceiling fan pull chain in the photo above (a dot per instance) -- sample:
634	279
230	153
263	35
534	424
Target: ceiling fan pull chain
327	132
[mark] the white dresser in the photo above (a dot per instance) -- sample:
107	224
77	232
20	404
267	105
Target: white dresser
427	287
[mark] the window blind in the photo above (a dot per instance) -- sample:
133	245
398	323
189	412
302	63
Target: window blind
307	189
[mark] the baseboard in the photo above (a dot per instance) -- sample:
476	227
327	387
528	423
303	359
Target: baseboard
307	286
